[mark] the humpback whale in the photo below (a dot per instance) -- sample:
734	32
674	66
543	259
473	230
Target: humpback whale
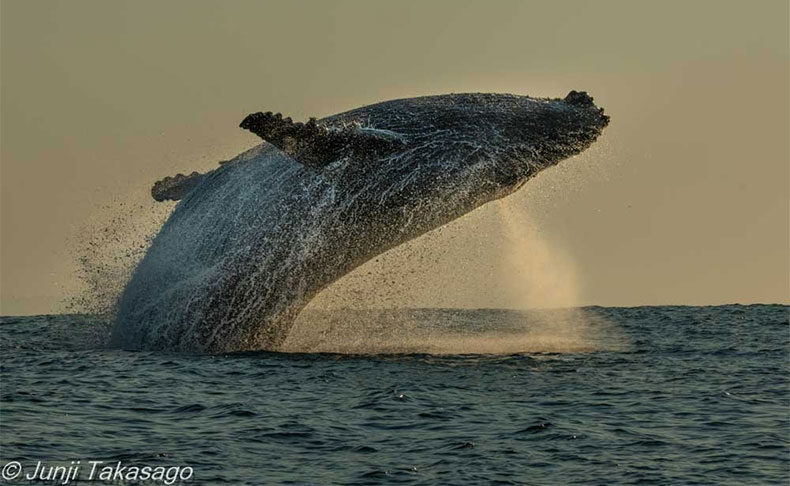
250	243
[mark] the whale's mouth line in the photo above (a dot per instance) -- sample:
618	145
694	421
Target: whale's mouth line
321	198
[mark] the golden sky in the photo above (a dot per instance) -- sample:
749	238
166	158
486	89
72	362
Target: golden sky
685	200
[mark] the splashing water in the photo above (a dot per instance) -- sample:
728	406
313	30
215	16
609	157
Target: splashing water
495	257
106	250
541	273
372	310
545	277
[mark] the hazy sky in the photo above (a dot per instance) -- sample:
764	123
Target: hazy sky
686	198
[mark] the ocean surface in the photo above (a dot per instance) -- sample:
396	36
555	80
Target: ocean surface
647	395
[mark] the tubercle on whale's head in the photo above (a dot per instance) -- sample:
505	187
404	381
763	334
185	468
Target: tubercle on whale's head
594	116
583	127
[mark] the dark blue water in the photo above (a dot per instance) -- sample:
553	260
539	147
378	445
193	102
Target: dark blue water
661	395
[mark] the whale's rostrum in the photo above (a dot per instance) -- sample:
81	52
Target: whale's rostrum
252	242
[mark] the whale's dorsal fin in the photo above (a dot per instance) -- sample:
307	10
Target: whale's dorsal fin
316	145
174	188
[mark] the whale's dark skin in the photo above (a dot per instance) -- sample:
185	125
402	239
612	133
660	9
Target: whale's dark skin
251	243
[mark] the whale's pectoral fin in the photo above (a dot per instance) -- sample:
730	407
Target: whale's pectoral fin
174	188
316	145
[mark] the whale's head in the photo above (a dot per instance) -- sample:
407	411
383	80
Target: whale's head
523	135
470	148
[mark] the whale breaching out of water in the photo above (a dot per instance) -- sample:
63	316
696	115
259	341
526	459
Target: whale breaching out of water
252	242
